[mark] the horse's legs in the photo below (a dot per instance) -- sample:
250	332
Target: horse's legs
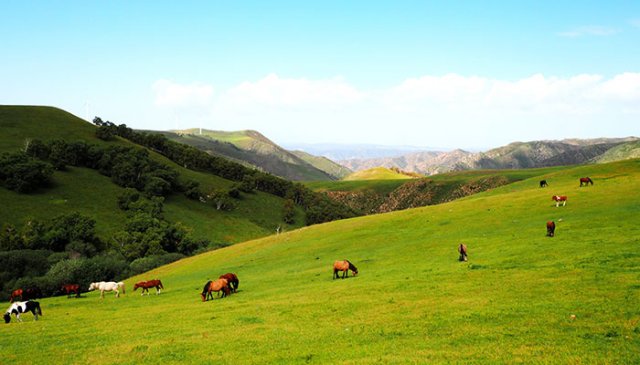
18	317
101	294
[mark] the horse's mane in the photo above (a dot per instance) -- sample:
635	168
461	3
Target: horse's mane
206	287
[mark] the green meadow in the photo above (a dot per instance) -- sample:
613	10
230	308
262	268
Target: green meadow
521	298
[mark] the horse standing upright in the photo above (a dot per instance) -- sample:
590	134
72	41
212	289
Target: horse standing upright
462	249
25	294
22	307
71	288
559	199
584	181
233	280
145	285
344	266
543	183
220	285
551	228
104	286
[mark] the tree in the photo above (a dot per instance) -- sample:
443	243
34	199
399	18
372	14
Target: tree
288	211
220	199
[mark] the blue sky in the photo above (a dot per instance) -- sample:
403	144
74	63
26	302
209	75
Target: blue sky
446	74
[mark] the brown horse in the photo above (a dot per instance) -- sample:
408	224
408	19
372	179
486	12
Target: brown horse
551	228
585	181
344	266
462	249
145	285
215	286
559	199
25	294
71	288
233	281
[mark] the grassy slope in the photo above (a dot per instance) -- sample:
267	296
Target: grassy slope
324	164
412	302
376	173
621	152
90	193
253	149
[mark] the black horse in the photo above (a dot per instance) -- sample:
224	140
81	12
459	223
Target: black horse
543	183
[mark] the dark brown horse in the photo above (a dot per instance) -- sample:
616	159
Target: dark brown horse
145	285
585	181
233	281
551	228
543	183
344	266
25	294
462	249
70	289
220	285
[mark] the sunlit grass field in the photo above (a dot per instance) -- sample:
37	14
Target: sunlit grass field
412	302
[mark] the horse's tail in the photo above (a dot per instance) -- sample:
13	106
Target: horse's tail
160	284
38	310
121	285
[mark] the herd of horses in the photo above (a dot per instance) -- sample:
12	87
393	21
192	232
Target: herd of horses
223	286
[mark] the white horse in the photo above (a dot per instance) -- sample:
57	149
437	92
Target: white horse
104	286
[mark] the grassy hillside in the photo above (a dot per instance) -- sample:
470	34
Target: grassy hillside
381	196
621	152
251	148
93	194
521	298
324	164
377	173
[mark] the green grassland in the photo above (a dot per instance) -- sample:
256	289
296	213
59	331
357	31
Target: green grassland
412	302
90	193
377	173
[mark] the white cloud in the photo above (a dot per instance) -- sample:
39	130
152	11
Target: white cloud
448	110
591	30
275	91
171	94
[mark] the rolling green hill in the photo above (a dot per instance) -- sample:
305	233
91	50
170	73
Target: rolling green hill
521	298
254	149
90	193
382	196
324	164
377	173
621	152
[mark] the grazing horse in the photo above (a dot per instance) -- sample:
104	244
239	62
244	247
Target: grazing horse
551	228
233	281
22	307
543	183
25	294
559	199
585	181
344	266
462	249
215	286
145	285
104	286
71	288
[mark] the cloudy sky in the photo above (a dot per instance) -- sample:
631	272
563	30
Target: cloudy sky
463	74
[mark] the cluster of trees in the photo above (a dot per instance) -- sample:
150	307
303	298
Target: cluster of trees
23	173
318	207
66	248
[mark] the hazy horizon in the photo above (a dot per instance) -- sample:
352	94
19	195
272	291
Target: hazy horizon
449	75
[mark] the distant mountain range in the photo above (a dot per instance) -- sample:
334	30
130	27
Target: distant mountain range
517	155
254	149
337	152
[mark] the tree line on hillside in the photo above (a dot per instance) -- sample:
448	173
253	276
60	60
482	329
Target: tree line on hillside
318	208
